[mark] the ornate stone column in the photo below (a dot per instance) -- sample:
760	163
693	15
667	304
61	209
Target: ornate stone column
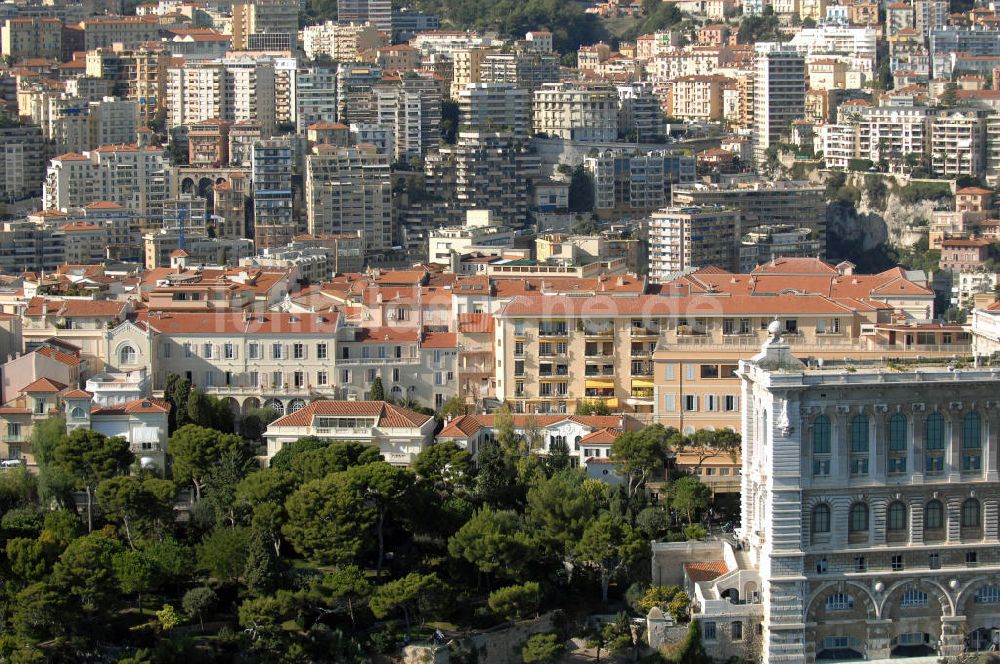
878	448
952	636
953	467
915	454
992	422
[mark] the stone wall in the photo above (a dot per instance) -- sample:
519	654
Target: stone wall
502	645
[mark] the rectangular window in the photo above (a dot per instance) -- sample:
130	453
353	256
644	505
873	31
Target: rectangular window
209	378
253	351
736	631
345	376
395	375
971	558
934	561
321	351
207	351
277	352
277	379
39	406
321	378
710	371
188	352
971	462
299	379
254	379
897	563
372	373
897	465
298	351
518	349
690	402
438	378
669	403
708	631
859	466
934	463
732	403
711	403
821	467
228	351
860	565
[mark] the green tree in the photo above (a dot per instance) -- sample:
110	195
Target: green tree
689	495
282	460
641	454
263	494
62	527
449	121
384	488
705	444
176	391
168	618
40	611
495	474
691	650
542	649
197	601
949	96
446	466
224	477
262	573
503	424
609	546
581	191
223	553
558	511
377	392
195	450
346	584
140	506
453	407
85	573
136	572
328	519
254	423
414	595
45	436
495	542
333	457
29	560
200	410
593	407
515	602
91	457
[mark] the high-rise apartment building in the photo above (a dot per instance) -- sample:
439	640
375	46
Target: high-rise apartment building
25	38
355	101
234	89
779	96
23	160
349	190
929	16
495	106
376	12
682	238
277	20
958	143
627	182
576	111
271	169
412	107
315	95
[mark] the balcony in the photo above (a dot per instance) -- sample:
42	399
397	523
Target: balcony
553	332
376	361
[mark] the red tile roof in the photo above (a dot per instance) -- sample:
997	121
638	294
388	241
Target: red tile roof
385	414
601	436
75	308
439	340
234	323
44	385
59	356
475	323
78	394
705	570
130	407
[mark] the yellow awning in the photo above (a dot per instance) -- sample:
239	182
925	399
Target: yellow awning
600	383
641	382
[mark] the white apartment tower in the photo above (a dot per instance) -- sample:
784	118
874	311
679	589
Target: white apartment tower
779	96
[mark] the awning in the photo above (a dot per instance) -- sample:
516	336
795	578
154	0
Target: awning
600	383
642	382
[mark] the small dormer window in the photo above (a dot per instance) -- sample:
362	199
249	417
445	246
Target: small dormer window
77	413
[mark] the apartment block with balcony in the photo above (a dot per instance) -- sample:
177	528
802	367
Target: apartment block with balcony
576	111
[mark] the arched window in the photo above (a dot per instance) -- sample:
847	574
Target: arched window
126	355
897	432
934	515
821	518
821	435
972	431
858	518
913	597
859	434
970	513
934	436
896	518
576	443
839	602
77	413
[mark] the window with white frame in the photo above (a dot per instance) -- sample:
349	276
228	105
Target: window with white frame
298	351
253	351
913	597
839	602
277	351
321	378
988	595
228	351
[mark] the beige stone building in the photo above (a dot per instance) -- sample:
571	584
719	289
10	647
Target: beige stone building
576	111
697	97
400	434
26	38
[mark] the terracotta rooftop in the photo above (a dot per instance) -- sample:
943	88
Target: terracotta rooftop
705	570
386	414
136	406
44	385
